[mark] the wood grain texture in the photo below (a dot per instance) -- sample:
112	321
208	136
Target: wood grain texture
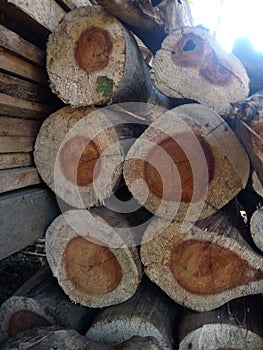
18	127
18	66
13	42
73	4
20	108
39	208
256	228
27	308
12	179
10	144
15	160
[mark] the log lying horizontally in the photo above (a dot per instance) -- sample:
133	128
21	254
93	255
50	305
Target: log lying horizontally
150	22
236	325
93	59
248	124
191	161
148	313
192	65
95	263
41	302
80	152
52	338
204	267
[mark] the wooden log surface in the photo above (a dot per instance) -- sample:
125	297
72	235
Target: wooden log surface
13	179
15	160
46	338
204	267
150	21
256	184
73	4
16	144
95	263
79	152
192	65
247	121
20	108
256	228
18	127
39	208
40	302
82	66
236	325
188	162
149	313
13	42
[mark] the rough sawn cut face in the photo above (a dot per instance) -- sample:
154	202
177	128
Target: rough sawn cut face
191	64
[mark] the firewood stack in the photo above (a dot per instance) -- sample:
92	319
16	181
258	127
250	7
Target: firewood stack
185	159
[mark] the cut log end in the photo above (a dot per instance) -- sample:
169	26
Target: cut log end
205	268
82	170
93	49
91	268
23	320
179	181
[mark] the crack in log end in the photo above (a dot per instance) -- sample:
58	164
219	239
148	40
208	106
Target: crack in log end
78	160
23	320
214	72
93	49
91	268
188	51
183	176
205	268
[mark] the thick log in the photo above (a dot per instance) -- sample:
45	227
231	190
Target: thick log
95	263
192	65
248	124
82	66
13	179
40	302
151	22
187	164
46	338
80	152
236	325
39	208
20	108
15	160
256	228
256	184
204	267
22	68
27	90
13	42
149	313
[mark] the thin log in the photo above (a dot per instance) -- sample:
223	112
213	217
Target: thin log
248	124
96	264
33	210
82	66
257	186
149	313
18	127
236	325
41	302
13	179
256	228
192	65
79	152
188	162
151	22
46	338
204	267
16	144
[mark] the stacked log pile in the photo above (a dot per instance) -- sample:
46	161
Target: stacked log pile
151	165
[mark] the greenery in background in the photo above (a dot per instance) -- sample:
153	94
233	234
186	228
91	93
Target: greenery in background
105	85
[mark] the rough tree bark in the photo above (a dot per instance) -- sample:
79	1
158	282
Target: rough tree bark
192	65
92	59
236	325
204	267
191	161
93	257
148	313
150	21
